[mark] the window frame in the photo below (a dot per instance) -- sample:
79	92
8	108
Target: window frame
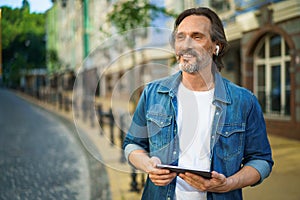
269	63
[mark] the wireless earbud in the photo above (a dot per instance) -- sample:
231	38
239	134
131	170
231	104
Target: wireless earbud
217	51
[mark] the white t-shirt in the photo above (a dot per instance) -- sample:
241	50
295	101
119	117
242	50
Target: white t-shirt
195	115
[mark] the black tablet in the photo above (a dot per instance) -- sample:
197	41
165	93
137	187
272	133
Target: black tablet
178	170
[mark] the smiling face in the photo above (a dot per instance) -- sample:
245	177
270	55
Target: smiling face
193	45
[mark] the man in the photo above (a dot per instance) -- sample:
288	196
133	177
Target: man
197	119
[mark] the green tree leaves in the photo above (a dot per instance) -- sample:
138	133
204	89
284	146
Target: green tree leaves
23	42
128	15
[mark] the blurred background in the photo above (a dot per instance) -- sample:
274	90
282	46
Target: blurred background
88	60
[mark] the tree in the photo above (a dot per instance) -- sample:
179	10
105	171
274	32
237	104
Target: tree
23	42
129	15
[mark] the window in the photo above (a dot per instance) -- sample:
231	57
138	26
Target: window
272	76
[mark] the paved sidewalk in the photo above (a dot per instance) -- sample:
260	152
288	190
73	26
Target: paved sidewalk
284	180
119	174
282	184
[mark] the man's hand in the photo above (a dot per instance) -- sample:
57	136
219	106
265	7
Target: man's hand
141	160
159	177
218	183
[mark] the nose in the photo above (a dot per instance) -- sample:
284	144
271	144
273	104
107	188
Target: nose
187	43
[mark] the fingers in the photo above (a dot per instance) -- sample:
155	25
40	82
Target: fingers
195	181
215	184
161	177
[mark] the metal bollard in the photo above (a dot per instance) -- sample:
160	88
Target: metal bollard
134	184
84	109
92	114
143	181
75	108
60	101
122	134
111	125
66	101
100	118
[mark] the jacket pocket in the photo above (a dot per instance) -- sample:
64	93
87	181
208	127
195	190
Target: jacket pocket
159	129
230	140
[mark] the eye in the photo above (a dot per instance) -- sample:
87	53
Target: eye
197	37
180	36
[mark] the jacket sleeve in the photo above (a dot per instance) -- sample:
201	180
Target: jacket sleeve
257	147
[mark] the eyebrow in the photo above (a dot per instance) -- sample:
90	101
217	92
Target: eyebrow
192	34
197	33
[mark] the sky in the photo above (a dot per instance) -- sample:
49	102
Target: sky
38	6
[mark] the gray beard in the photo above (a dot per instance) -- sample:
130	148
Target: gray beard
201	61
189	68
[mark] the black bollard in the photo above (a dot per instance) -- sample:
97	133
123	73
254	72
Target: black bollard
133	184
92	114
67	109
84	109
100	118
143	179
60	101
75	108
122	134
111	125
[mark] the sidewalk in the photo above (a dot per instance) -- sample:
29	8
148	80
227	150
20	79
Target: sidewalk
284	180
100	147
282	184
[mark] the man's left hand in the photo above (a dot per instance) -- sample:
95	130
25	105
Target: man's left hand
218	183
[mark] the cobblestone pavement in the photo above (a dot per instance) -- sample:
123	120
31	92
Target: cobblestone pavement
40	157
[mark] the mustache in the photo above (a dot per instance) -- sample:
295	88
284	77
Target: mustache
187	51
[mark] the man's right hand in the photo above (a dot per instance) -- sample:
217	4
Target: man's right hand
141	160
160	177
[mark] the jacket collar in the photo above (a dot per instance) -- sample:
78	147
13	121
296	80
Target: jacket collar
170	85
221	89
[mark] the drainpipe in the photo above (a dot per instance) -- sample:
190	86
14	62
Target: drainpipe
85	28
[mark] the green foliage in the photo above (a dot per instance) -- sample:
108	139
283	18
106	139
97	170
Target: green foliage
128	15
53	60
23	42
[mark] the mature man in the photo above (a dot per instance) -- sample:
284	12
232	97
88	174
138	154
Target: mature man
196	119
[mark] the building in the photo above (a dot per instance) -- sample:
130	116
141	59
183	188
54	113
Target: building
264	37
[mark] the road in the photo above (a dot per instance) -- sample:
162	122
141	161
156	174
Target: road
41	157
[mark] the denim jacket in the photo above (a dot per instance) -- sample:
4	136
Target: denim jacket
238	136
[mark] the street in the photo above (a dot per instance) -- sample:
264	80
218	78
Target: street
41	157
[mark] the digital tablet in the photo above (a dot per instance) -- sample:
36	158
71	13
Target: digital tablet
178	170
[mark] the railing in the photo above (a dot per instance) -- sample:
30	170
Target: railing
105	117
